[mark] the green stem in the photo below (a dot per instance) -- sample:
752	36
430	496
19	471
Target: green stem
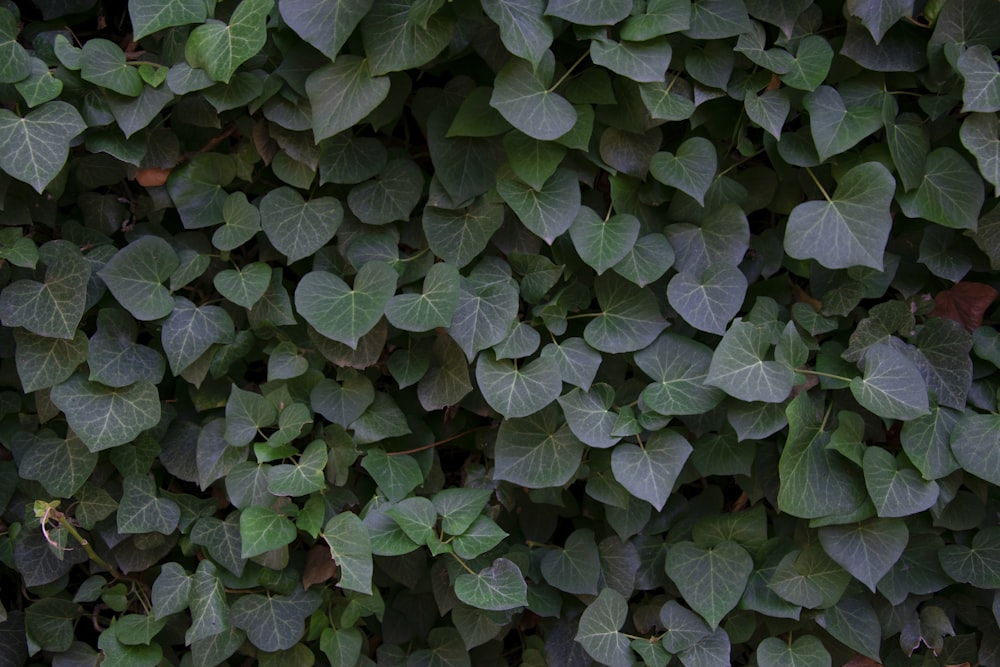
441	442
568	72
462	563
65	523
822	374
737	164
818	184
579	316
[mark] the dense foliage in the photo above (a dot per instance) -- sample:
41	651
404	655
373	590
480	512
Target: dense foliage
490	332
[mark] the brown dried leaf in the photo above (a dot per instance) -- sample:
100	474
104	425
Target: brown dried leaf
152	177
862	661
964	303
320	566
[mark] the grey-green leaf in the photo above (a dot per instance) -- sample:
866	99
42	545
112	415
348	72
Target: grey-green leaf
548	211
518	391
499	587
710	301
892	386
866	549
296	227
529	105
711	580
691	170
135	276
343	313
740	368
536	451
649	470
598	631
34	148
342	93
106	417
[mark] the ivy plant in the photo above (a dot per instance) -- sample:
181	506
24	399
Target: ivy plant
488	332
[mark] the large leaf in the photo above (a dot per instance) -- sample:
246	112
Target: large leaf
950	194
62	465
645	61
296	227
518	390
739	366
649	470
529	104
190	331
135	276
487	308
603	243
977	564
523	29
344	313
54	307
395	41
851	227
458	236
982	80
103	64
43	362
708	301
262	529
711	580
149	17
350	546
896	492
867	549
691	170
141	510
324	25
892	386
678	367
879	15
835	127
274	622
536	451
220	49
548	211
34	148
342	93
434	307
390	196
599	627
576	568
979	135
106	417
629	320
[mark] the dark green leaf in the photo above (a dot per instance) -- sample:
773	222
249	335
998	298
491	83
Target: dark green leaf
524	30
982	80
950	194
274	622
599	627
343	93
691	170
296	227
344	313
518	391
529	105
262	530
979	135
739	366
498	587
867	549
650	470
149	17
394	41
710	301
536	451
135	276
549	211
629	319
350	546
711	580
325	26
219	49
891	386
805	651
106	417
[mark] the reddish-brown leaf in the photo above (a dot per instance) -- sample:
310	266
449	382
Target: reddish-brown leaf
320	566
862	661
152	177
964	303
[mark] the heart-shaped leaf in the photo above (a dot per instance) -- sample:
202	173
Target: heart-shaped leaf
219	49
740	369
975	442
241	222
650	470
34	148
678	367
950	194
141	510
62	465
325	26
106	417
979	135
274	622
16	62
395	39
42	361
350	546
645	61
549	211
691	170
835	127
390	196
262	530
805	651
711	580
518	391
598	631
528	104
629	320
710	301
244	286
603	243
499	587
892	386
135	276
343	313
536	451
52	308
342	93
896	492
190	330
982	79
978	564
296	227
867	549
524	29
589	416
576	567
150	17
103	64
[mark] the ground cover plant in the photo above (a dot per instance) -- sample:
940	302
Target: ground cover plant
491	332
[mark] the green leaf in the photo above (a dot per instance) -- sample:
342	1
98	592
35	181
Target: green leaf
716	19
459	507
739	367
499	587
118	654
62	465
190	331
523	29
274	622
926	442
518	391
662	17
342	403
298	228
262	530
979	135
809	578
815	481
866	549
209	613
548	211
576	567
529	105
879	15
487	308
691	170
466	166
639	61
678	367
667	101
769	110
849	229
835	127
854	622
40	86
246	414
106	417
197	189
648	259
805	651
598	631
395	42
603	243
325	26
896	492
142	511
135	276
43	362
909	144
244	286
222	539
241	222
536	451
589	416
950	194
16	62
978	564
710	301
34	148
577	361
975	443
416	517
390	196
343	313
395	475
149	17
892	386
102	63
303	477
343	93
711	580
649	471
458	236
482	536
982	80
682	627
342	647
220	49
350	545
811	65
629	319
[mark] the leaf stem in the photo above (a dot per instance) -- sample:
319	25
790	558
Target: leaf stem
441	442
822	374
579	316
737	164
463	564
818	184
568	72
67	525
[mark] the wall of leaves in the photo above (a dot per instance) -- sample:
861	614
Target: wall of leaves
491	332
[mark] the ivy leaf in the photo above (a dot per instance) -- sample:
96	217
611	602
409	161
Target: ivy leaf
487	308
459	236
813	57
433	308
350	545
244	286
342	646
549	211
739	367
499	587
645	61
396	475
135	276
647	260
62	465
149	17
629	319
978	564
878	15
678	367
896	492
142	511
43	362
769	110
982	80
241	222
575	568
518	391
103	64
711	580
246	414
274	622
950	194
262	530
34	148
325	26
524	29
342	93
296	227
599	627
106	417
536	451
343	313
190	330
16	62
528	104
979	135
589	417
303	477
220	49
926	442
849	229
805	651
975	442
866	549
390	196
892	386
691	170
682	627
603	243
710	301
198	189
394	41
649	471
834	126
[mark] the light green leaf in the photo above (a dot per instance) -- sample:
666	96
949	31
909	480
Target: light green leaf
645	61
711	580
548	211
678	367
220	49
499	587
529	105
324	25
274	622
710	301
523	29
241	222
599	627
950	194
982	79
102	63
34	148
417	518
649	471
42	361
135	276
603	243
518	391
343	313
835	127
739	367
629	319
390	196
978	564
691	170
975	443
589	416
343	93
106	417
262	530
296	227
302	477
395	42
149	17
892	386
16	62
805	651
62	465
979	135
867	549
849	229
247	413
395	475
142	511
350	545
536	451
896	492
190	330
244	286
